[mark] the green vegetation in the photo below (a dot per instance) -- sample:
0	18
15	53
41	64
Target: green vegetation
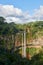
9	58
32	51
37	59
8	35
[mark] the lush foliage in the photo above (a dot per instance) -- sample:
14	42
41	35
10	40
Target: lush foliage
7	54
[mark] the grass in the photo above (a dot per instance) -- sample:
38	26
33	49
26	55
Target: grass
32	51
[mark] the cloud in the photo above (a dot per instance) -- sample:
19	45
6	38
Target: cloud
38	13
13	14
8	10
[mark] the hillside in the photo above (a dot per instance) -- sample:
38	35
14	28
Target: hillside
11	36
34	32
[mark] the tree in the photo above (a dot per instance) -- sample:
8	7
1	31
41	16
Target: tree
37	59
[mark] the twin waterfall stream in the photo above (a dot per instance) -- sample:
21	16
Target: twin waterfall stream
24	44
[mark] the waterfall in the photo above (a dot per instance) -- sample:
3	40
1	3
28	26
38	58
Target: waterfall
24	44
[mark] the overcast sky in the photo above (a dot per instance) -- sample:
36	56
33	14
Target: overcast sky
21	11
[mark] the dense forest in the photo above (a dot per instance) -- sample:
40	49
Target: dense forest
8	35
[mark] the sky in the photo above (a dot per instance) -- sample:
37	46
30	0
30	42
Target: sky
21	11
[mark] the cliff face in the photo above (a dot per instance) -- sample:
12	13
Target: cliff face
33	30
38	41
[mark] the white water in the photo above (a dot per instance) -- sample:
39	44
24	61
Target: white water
24	44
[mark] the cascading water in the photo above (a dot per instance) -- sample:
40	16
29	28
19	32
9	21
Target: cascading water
24	44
